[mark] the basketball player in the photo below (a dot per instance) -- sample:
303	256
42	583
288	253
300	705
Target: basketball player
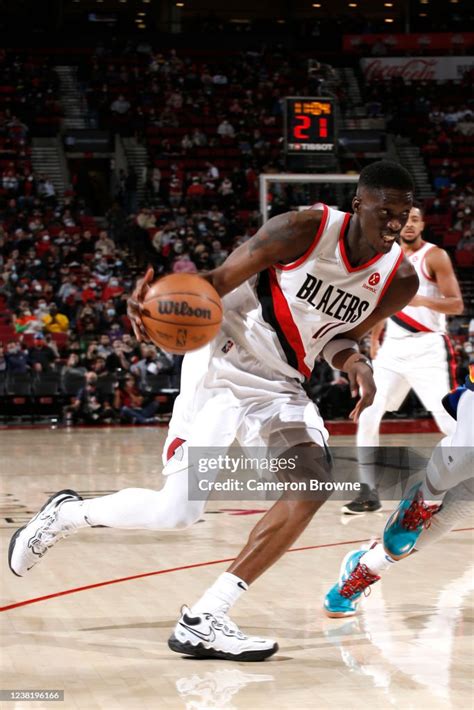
297	288
448	483
416	353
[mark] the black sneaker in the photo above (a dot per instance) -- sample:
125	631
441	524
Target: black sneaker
366	502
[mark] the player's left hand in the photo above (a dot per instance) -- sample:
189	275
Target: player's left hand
361	380
134	305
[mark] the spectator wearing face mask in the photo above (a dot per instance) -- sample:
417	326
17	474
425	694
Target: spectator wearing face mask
41	357
89	292
112	289
108	317
55	322
104	348
16	358
41	309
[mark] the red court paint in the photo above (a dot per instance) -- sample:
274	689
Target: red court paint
27	602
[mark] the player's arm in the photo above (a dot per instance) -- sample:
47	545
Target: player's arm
282	239
441	270
401	290
375	334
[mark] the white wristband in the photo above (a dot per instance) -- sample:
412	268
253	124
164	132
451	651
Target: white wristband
335	346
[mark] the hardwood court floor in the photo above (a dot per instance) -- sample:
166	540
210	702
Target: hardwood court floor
410	647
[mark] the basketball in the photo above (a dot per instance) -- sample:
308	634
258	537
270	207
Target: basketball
181	312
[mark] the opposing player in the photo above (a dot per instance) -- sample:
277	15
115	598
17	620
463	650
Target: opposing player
448	486
416	353
299	287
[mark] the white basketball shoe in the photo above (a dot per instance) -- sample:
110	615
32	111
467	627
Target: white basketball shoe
33	540
217	636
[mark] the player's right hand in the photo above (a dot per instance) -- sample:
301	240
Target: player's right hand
134	304
361	381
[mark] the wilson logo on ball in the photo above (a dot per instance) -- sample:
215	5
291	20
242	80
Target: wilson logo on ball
168	308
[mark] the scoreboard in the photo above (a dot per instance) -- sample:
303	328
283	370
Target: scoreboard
310	126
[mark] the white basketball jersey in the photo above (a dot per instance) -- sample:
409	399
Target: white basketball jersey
414	319
286	314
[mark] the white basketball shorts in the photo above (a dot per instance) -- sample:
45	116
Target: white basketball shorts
424	362
227	394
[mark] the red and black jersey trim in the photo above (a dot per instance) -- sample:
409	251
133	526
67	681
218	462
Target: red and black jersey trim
276	312
409	324
451	360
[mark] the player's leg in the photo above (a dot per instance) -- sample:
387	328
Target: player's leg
450	466
298	425
392	388
361	568
131	508
431	378
451	462
268	541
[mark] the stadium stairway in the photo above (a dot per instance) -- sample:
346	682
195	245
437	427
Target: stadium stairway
71	98
47	157
137	157
410	156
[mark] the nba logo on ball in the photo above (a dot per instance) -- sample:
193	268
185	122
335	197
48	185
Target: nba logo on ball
181	337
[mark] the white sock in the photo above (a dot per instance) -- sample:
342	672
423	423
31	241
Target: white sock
222	595
376	559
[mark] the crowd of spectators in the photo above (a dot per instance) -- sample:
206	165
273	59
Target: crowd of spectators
438	117
65	276
29	95
190	110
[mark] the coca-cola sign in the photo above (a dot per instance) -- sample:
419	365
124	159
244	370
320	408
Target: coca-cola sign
416	68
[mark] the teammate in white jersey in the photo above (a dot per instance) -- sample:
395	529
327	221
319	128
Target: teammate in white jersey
306	283
416	353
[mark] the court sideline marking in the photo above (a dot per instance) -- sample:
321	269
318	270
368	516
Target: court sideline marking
75	590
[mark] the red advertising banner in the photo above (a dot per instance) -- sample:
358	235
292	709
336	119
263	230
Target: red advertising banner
413	42
416	68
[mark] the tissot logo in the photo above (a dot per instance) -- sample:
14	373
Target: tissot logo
332	301
374	279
